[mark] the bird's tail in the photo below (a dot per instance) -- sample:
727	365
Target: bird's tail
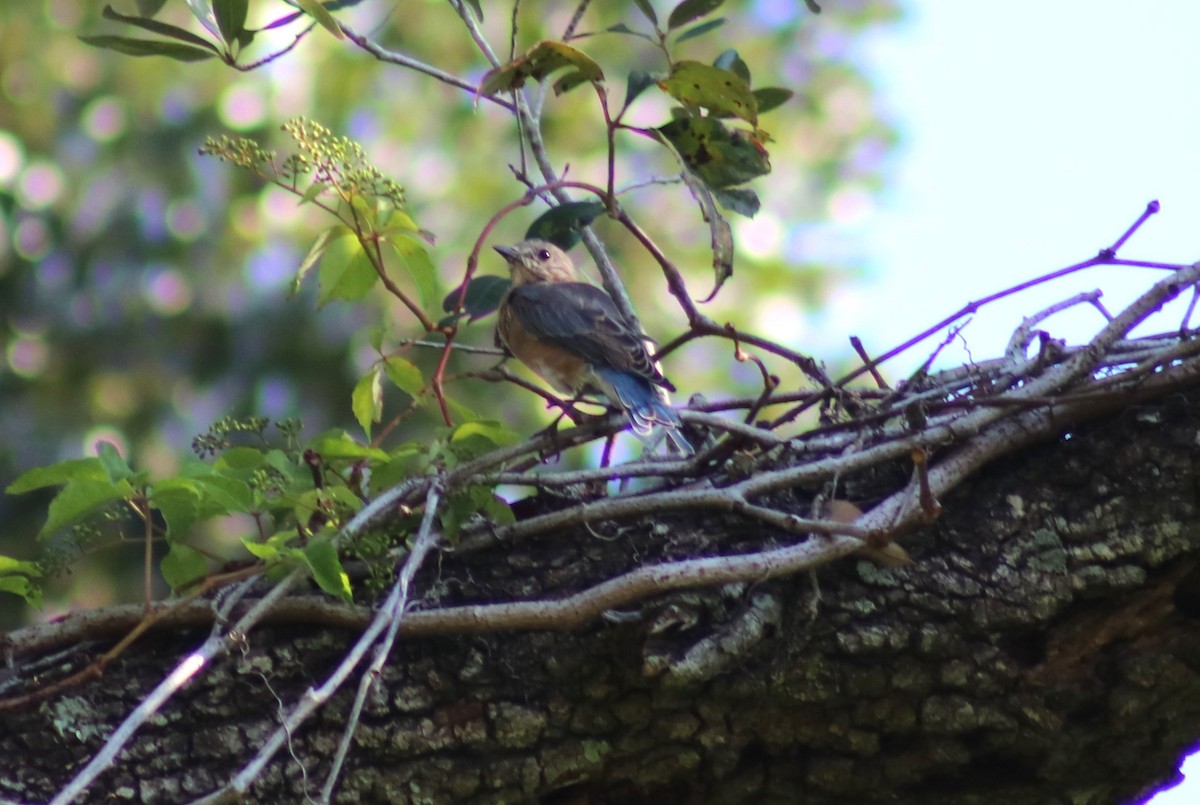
646	406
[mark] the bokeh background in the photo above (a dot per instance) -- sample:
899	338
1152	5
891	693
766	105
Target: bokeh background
145	290
935	153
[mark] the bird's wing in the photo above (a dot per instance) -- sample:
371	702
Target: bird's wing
583	319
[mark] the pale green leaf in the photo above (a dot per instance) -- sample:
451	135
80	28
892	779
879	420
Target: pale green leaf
493	431
690	10
74	469
231	18
345	273
147	47
182	566
720	91
317	251
699	30
337	444
78	499
327	570
405	375
161	28
321	15
366	401
412	254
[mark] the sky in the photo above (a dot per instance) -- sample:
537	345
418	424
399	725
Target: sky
1033	134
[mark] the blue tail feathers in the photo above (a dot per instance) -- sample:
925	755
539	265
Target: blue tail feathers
643	405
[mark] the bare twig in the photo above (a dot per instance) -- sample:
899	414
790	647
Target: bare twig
422	544
212	648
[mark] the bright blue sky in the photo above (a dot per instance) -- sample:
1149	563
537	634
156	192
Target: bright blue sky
1033	133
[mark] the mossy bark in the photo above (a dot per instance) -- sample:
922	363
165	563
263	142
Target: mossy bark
1043	648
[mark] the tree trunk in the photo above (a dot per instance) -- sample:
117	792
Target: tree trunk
1042	648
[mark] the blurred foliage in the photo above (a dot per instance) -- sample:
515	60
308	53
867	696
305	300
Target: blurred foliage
144	289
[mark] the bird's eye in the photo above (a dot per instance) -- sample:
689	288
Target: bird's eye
543	255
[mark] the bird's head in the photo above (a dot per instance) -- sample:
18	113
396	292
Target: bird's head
538	261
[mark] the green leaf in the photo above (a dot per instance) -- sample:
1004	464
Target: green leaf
416	260
336	444
483	296
461	412
637	83
183	501
622	28
720	156
161	28
240	458
400	221
561	225
11	565
202	11
276	547
406	462
17	577
346	273
475	6
720	232
322	559
690	10
367	399
177	500
147	47
182	566
22	586
317	251
314	190
741	200
719	91
113	462
344	498
404	375
490	430
260	550
74	469
231	18
321	15
220	494
770	97
148	8
460	505
283	464
699	30
17	585
499	512
647	11
540	61
731	61
80	498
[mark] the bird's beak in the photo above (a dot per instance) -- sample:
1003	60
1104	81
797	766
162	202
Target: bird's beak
507	252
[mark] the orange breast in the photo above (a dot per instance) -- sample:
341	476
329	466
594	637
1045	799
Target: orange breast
562	369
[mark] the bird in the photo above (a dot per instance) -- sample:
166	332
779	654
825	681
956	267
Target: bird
572	335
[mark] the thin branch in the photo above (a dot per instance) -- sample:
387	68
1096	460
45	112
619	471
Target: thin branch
214	647
245	68
1105	257
423	543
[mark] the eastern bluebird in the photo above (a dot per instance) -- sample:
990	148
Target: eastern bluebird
573	335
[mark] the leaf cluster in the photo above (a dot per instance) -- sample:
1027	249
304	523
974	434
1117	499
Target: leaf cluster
299	494
226	36
296	494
